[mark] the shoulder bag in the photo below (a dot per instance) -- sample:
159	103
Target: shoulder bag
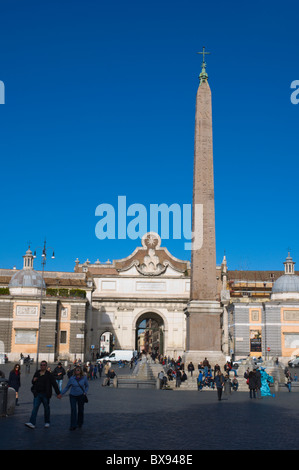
85	396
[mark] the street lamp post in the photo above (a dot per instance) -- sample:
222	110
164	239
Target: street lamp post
76	315
44	259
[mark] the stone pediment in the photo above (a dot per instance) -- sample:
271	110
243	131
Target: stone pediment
151	259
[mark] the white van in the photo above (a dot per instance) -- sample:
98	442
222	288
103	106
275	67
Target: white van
119	355
294	362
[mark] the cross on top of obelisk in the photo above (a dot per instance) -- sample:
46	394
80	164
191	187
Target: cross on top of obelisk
203	75
203	53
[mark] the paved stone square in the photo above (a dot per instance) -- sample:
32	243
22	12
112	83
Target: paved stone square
131	419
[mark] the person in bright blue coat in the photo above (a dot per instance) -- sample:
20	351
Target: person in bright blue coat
78	384
199	381
265	380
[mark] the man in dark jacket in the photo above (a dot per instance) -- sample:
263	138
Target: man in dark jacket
191	368
58	374
219	382
252	383
178	378
258	383
42	384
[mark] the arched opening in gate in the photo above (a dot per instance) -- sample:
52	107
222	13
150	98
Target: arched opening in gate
150	333
106	343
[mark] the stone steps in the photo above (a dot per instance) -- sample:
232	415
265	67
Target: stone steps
191	383
276	372
144	376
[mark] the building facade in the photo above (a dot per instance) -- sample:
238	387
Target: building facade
140	302
42	313
263	313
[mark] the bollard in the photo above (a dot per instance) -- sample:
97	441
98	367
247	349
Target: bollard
4	396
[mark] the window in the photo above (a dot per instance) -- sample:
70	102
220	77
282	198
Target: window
255	315
255	341
291	340
63	336
64	312
25	337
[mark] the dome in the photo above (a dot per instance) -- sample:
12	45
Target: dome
27	278
286	283
286	287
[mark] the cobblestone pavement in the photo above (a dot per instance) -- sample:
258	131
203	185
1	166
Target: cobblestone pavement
130	419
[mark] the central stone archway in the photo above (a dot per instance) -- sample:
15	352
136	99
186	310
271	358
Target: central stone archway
150	333
106	343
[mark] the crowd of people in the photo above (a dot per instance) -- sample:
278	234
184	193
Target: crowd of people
214	378
78	376
208	376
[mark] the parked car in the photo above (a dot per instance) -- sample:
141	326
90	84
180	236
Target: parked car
118	355
258	362
239	362
294	362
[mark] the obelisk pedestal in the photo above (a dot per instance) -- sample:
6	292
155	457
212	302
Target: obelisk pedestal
204	335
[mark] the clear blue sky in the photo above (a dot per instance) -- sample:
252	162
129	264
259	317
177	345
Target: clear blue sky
100	102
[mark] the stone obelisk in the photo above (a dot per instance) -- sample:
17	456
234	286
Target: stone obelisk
204	310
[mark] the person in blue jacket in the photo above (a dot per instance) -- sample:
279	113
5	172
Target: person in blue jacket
78	384
200	381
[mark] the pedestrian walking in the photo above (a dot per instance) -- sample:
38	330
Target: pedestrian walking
106	372
227	385
100	368
14	380
59	373
42	384
191	368
178	378
252	382
27	362
78	384
90	372
219	382
199	381
288	382
95	370
258	383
